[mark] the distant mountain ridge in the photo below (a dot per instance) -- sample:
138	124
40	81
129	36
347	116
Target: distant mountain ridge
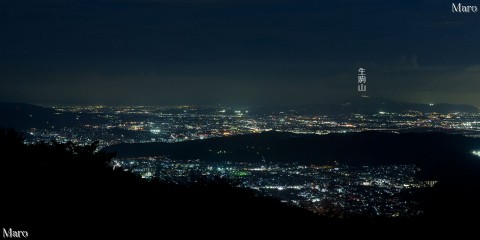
24	116
368	105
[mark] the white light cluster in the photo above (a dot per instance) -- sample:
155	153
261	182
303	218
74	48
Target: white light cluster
477	153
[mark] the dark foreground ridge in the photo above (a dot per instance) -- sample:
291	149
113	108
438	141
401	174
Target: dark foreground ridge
61	190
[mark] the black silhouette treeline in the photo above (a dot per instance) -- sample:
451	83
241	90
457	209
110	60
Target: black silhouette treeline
54	190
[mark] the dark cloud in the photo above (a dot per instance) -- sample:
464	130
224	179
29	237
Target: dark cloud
284	51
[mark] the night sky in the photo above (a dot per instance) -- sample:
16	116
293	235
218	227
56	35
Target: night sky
155	52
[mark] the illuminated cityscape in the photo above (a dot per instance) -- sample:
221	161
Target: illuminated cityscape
113	125
367	191
133	119
339	190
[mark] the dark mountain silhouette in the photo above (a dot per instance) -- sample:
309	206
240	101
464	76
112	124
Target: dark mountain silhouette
57	190
53	189
446	158
375	105
366	105
25	116
435	153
